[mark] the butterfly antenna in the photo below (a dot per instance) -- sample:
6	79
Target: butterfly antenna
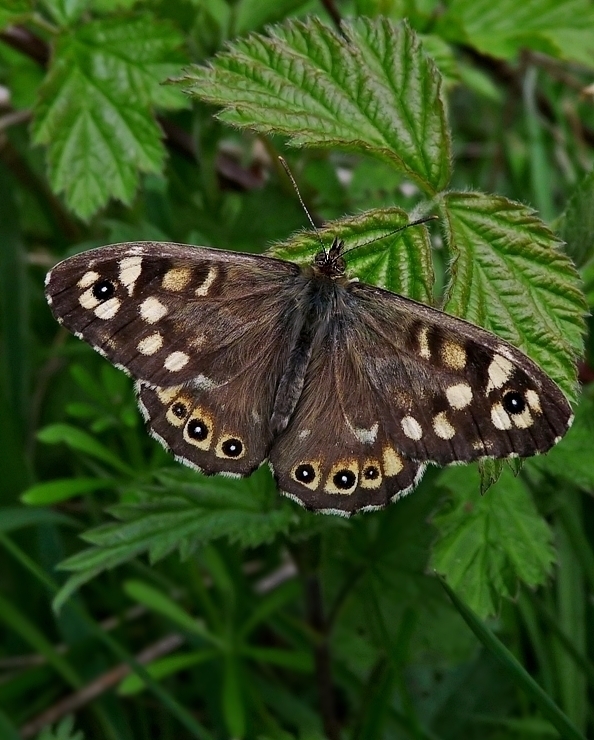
307	213
418	222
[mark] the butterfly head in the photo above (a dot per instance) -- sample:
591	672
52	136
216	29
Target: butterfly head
331	262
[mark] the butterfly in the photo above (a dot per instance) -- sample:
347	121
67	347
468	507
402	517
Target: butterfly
347	390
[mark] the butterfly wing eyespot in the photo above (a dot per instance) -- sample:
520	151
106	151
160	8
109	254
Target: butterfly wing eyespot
513	402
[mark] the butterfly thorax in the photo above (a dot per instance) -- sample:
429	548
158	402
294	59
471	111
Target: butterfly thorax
331	262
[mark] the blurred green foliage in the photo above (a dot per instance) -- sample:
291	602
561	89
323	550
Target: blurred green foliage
212	608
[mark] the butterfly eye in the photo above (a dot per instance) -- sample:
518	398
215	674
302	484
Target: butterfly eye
103	290
513	402
344	480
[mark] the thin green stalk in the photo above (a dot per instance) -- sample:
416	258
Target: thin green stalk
515	669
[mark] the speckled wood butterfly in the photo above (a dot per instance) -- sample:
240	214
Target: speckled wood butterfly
346	389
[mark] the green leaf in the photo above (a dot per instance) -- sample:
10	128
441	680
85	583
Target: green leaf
159	602
510	276
557	27
8	730
94	108
17	517
165	667
255	14
65	12
171	522
517	672
43	494
83	442
487	544
232	698
294	660
14	11
572	460
372	90
63	731
400	262
576	226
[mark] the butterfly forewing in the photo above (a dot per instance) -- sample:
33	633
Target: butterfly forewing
170	314
457	392
207	334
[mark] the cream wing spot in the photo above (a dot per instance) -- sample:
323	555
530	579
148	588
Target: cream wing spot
177	278
88	279
152	310
442	426
424	350
166	395
453	355
108	309
365	436
208	281
500	417
533	400
459	396
523	420
87	300
176	361
393	463
411	427
130	269
499	372
151	344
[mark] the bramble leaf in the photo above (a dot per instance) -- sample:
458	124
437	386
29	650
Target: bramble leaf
94	108
487	544
373	90
561	28
510	276
400	262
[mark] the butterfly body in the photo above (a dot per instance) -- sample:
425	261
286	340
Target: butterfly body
346	389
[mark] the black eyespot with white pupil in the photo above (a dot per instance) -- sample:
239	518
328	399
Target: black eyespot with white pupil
344	480
197	429
232	447
371	473
103	290
513	402
179	409
305	473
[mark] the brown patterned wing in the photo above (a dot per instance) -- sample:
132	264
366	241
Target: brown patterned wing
393	385
453	392
207	334
335	454
167	313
